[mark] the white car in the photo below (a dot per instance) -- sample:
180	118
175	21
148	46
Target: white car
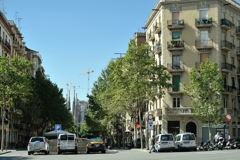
38	144
164	142
67	143
186	141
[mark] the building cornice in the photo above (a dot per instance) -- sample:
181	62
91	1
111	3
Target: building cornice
176	5
5	23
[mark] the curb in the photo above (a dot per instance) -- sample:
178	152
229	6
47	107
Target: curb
111	151
4	152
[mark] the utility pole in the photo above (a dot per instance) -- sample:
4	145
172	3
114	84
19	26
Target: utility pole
89	72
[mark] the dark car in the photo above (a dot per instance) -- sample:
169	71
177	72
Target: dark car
96	145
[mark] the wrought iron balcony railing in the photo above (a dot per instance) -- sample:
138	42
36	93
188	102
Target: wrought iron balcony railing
227	44
227	66
227	23
203	43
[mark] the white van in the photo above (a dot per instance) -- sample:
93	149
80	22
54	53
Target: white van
67	143
164	142
186	141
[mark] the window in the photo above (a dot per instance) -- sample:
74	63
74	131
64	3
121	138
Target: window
225	102
204	38
176	102
232	39
175	18
223	58
203	14
223	14
166	138
224	36
233	82
63	137
232	60
176	62
176	82
176	35
231	19
233	103
203	57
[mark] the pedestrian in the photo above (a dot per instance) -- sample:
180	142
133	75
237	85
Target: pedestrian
153	145
216	138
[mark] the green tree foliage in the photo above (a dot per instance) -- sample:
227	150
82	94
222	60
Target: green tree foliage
48	105
205	88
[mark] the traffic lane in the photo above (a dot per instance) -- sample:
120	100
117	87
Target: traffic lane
131	154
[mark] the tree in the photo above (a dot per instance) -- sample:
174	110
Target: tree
133	81
14	83
204	89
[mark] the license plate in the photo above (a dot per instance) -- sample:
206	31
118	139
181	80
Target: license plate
97	145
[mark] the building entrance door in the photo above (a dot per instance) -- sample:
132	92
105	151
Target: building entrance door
191	127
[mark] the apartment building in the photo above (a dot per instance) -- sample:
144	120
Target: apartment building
182	33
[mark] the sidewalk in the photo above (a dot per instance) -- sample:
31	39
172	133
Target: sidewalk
5	151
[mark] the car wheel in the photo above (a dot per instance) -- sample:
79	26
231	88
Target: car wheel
29	153
179	148
46	152
87	151
103	151
59	152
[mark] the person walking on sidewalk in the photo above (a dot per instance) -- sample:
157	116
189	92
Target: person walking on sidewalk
153	145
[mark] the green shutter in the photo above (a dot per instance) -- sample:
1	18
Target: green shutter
176	82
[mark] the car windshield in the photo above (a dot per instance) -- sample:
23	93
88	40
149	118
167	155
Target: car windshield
188	137
166	138
96	140
37	139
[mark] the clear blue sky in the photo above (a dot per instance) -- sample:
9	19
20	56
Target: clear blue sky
73	36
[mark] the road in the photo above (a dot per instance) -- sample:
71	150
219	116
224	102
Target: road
134	154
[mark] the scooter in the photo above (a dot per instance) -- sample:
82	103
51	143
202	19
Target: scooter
206	146
220	144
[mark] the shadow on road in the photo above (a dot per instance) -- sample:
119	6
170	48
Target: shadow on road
14	158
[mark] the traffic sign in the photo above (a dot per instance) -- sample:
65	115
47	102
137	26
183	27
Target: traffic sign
150	125
58	127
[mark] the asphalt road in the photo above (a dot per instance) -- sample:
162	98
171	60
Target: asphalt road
134	154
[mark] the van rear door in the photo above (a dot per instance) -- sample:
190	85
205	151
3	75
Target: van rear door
71	141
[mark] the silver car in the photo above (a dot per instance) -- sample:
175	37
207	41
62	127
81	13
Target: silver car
38	144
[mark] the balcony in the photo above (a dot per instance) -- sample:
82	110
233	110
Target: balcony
238	51
227	111
151	37
238	92
157	28
203	23
157	49
227	89
175	68
175	45
175	24
238	113
238	31
227	67
5	45
15	44
179	111
227	46
226	24
157	112
175	91
203	44
22	50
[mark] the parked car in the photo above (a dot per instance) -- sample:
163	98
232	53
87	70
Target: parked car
38	144
95	145
164	142
67	143
186	141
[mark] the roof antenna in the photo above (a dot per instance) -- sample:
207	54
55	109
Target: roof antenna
18	19
3	8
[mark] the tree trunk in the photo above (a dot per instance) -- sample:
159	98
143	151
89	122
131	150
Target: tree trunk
209	131
140	121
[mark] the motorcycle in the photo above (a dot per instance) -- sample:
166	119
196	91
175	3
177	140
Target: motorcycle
221	143
206	146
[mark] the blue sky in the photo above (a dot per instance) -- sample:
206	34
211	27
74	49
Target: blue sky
74	36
